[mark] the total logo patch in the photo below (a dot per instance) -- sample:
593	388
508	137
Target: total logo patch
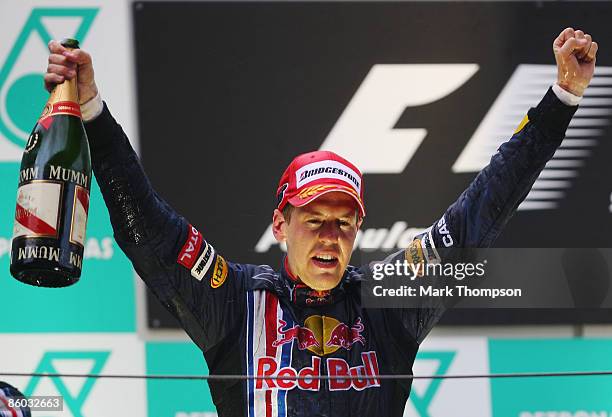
219	272
187	256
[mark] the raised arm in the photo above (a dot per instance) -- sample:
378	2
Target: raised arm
480	213
185	272
478	216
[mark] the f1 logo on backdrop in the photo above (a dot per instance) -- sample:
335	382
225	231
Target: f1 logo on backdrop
22	95
365	132
523	90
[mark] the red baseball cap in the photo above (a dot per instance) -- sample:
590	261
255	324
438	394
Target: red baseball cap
314	174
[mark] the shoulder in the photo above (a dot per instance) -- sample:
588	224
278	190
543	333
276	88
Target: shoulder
355	274
257	277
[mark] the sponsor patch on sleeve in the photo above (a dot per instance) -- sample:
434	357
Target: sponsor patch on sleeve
414	255
429	248
219	272
414	252
444	233
203	263
187	255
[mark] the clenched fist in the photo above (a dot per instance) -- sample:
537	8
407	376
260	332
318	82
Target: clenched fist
575	53
65	64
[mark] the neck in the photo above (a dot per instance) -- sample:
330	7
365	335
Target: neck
291	275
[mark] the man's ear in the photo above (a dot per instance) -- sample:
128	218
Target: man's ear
278	226
359	222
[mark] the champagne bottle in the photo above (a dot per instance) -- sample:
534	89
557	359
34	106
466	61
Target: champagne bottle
53	195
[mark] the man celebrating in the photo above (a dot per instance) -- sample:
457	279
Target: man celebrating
307	320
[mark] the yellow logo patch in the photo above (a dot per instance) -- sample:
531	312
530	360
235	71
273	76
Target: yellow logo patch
219	272
414	255
522	125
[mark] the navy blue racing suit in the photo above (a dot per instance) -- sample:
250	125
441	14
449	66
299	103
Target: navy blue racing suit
253	320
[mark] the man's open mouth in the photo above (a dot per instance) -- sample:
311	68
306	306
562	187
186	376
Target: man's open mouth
325	261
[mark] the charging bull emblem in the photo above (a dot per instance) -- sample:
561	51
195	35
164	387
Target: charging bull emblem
321	335
303	335
344	336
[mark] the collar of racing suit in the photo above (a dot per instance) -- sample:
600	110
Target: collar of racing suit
304	296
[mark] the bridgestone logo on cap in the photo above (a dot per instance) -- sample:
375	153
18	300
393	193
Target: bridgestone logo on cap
327	169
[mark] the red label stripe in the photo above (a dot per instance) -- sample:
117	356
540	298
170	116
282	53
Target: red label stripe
61	107
83	196
66	107
46	122
28	220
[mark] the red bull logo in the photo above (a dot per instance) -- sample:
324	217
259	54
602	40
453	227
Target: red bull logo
285	378
364	375
303	335
344	336
321	335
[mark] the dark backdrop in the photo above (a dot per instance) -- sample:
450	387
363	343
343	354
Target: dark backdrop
229	93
